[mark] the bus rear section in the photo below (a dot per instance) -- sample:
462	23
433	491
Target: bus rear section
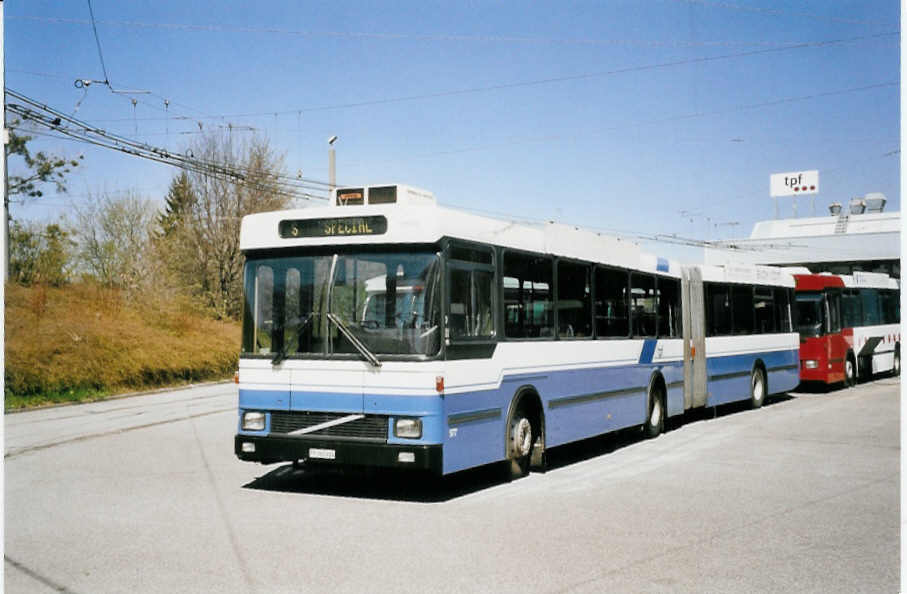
742	343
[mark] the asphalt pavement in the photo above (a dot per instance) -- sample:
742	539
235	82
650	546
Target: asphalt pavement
144	494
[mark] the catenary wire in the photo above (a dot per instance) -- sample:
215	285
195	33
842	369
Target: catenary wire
536	82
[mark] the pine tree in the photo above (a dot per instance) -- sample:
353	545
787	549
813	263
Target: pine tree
179	201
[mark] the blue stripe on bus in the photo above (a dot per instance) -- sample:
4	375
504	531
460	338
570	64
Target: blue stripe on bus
648	351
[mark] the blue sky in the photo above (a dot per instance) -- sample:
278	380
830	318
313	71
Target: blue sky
614	115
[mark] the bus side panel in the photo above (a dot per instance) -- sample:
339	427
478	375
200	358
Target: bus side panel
588	402
729	378
731	360
876	344
577	404
473	431
783	370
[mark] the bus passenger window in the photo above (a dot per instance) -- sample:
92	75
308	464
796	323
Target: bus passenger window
891	310
851	309
765	310
642	304
872	315
574	300
528	304
742	310
470	313
717	309
612	303
668	307
783	309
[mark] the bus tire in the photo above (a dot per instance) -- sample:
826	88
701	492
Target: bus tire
757	388
896	366
522	434
655	419
850	371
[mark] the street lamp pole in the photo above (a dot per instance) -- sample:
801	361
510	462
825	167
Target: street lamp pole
332	165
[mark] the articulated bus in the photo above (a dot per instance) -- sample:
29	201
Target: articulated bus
387	331
849	326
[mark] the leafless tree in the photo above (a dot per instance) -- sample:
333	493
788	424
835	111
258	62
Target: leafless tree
114	237
199	231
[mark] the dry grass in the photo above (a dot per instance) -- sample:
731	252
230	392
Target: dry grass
84	342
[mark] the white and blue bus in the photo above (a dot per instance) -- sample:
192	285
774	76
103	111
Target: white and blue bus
384	330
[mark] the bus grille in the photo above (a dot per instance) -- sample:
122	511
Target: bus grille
369	427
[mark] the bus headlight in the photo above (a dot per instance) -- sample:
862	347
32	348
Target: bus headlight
253	421
811	364
411	428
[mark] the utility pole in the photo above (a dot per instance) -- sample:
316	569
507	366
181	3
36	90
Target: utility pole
4	138
332	166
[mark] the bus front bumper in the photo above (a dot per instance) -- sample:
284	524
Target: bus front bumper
269	449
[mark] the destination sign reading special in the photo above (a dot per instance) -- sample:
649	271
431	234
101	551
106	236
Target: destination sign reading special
334	227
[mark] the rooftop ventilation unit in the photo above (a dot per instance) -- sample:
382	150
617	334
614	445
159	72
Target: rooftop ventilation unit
857	206
875	202
835	209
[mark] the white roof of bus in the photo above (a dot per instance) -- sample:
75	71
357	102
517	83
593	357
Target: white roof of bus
872	280
428	223
747	274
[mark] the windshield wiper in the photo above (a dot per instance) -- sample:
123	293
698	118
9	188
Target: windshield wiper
370	356
297	323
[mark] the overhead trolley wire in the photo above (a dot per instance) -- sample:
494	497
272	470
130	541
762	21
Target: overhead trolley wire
449	37
541	81
121	139
54	121
97	41
782	12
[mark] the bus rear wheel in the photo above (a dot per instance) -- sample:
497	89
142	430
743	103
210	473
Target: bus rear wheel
757	385
896	366
655	421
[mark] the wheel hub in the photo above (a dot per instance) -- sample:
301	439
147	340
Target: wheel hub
656	413
521	436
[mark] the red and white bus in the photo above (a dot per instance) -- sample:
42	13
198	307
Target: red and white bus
849	326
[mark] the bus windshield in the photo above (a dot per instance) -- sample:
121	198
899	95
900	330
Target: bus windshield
810	314
389	301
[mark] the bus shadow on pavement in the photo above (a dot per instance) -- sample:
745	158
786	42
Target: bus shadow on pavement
601	445
380	484
420	487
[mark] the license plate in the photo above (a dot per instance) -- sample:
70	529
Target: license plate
322	454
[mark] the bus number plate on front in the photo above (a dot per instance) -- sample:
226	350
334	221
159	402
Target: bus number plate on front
322	454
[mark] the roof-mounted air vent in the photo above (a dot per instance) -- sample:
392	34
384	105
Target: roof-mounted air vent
875	202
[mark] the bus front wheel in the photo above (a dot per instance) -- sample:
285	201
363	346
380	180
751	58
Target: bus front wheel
850	371
521	437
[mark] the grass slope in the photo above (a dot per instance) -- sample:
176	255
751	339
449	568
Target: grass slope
84	342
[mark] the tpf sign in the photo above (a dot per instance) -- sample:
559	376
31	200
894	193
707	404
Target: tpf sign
795	182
